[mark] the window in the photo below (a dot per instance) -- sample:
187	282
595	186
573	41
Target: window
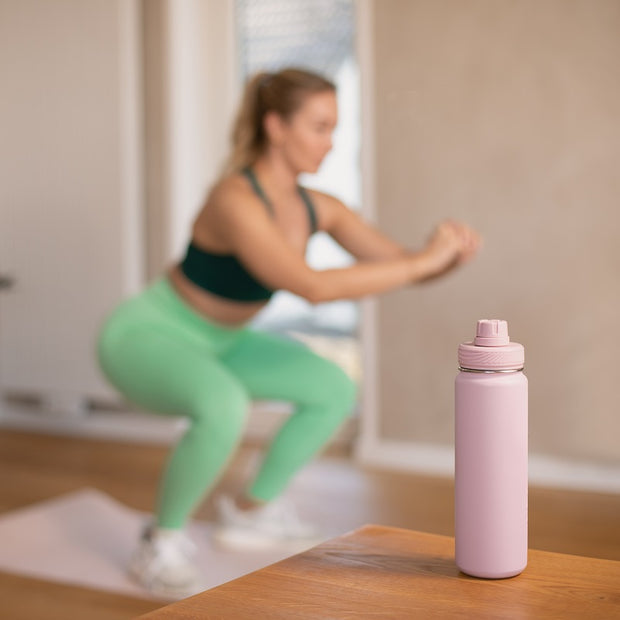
319	36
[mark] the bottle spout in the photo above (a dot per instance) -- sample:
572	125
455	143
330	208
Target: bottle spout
491	333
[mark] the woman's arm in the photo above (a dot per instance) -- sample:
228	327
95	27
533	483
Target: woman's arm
245	226
352	232
366	242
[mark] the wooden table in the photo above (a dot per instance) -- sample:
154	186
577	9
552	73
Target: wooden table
383	572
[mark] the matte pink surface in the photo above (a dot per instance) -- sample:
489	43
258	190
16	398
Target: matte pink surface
491	468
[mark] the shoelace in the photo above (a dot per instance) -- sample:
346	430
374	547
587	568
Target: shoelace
184	544
173	551
179	539
171	545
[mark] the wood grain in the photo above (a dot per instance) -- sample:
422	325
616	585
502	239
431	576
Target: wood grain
24	598
382	572
332	492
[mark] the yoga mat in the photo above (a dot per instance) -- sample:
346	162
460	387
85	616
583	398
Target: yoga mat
85	538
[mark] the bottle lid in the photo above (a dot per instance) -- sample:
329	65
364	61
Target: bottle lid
491	349
491	333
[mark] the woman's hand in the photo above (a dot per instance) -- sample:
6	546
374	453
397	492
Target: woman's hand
451	244
470	244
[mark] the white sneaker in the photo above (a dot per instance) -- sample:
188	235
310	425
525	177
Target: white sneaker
275	524
163	564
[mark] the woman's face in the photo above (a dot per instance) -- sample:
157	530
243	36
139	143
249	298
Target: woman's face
306	137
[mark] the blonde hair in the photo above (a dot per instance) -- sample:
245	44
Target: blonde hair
283	92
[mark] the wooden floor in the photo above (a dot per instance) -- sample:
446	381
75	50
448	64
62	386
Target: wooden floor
331	491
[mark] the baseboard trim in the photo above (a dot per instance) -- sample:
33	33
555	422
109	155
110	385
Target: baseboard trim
114	425
118	424
438	460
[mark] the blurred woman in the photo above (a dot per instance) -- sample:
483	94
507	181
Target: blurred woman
184	347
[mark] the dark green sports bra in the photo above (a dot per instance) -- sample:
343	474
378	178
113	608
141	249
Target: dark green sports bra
223	274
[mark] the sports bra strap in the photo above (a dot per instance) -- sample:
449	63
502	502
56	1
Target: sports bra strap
249	173
310	207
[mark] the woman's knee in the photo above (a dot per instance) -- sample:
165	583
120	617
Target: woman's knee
221	413
337	388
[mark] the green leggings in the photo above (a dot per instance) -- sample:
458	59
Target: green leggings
165	357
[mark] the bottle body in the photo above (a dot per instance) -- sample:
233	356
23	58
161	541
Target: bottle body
491	472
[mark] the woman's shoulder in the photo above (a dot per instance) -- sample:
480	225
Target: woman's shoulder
228	193
232	186
229	200
326	207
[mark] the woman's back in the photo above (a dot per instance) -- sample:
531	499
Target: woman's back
212	278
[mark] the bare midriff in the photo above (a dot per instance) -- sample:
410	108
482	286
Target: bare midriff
213	307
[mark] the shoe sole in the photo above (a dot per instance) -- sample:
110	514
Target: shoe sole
160	590
241	540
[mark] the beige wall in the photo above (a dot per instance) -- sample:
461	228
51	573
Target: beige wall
114	116
507	115
190	88
71	196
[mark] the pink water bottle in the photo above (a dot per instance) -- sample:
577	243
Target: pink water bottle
491	455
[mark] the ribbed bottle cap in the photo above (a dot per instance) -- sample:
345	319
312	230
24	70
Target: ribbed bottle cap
491	349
